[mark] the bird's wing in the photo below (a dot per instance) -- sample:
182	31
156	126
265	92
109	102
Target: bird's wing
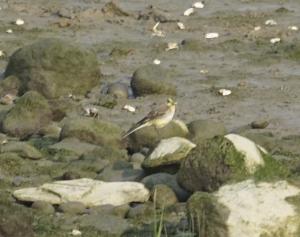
160	111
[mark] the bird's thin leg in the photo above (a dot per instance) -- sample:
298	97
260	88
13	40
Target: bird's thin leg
158	132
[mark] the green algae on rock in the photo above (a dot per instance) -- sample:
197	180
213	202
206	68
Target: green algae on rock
28	116
54	68
152	79
93	131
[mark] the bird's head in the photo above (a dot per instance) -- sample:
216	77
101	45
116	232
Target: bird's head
171	102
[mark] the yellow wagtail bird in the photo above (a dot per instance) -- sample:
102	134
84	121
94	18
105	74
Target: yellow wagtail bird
158	118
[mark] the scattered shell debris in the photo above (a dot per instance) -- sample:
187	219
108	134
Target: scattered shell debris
275	40
212	35
91	111
257	28
198	5
180	25
224	92
189	11
76	232
19	22
172	45
129	108
9	31
294	28
270	22
203	71
156	61
157	32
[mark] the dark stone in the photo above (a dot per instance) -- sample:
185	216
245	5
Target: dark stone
43	207
73	208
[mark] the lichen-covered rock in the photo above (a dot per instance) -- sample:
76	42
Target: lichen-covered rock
152	79
93	131
149	137
23	149
54	68
201	130
168	152
28	116
163	196
218	161
207	216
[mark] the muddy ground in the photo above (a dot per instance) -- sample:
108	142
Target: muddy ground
264	78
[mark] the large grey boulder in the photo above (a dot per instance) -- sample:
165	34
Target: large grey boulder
152	79
54	68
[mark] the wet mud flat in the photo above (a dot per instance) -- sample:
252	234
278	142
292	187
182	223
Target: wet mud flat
262	75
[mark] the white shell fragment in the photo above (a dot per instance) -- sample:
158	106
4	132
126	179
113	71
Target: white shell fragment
270	22
257	28
189	12
275	40
157	32
224	92
9	31
172	45
76	232
1	53
294	28
91	111
180	25
203	71
156	61
129	108
212	35
198	5
19	22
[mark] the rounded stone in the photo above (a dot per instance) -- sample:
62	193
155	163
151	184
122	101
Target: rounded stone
74	208
137	158
119	90
152	79
43	207
54	68
163	196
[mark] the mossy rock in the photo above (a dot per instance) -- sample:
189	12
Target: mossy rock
54	68
207	217
93	131
9	85
28	116
152	79
210	165
23	149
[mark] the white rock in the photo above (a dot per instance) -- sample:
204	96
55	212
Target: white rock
257	28
252	152
170	146
275	40
224	92
88	191
260	209
189	12
270	22
9	31
198	5
19	22
129	108
156	61
172	45
294	28
180	25
76	232
212	35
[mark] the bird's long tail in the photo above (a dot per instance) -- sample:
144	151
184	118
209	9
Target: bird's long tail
133	129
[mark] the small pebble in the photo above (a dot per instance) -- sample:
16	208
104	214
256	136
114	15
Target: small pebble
198	5
257	28
259	124
294	28
172	45
203	71
270	22
156	61
19	22
212	35
9	31
224	92
275	40
129	108
1	53
180	25
189	12
76	232
137	158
